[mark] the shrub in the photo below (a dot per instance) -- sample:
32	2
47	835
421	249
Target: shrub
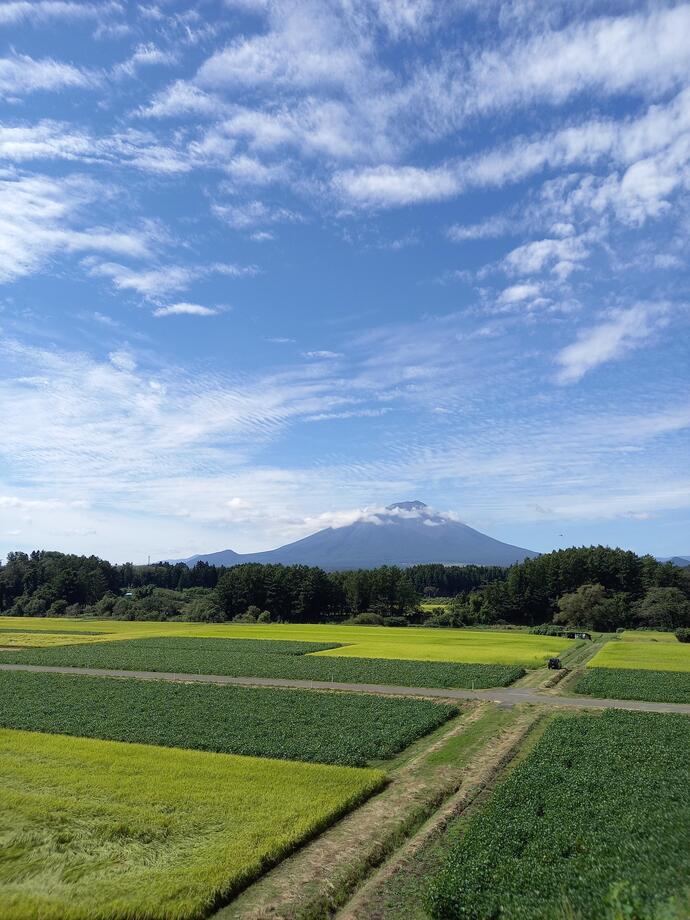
683	635
368	618
264	617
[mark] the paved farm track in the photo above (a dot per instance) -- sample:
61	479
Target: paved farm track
506	696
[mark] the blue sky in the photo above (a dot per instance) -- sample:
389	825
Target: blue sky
264	264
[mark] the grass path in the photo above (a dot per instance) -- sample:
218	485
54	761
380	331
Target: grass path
322	876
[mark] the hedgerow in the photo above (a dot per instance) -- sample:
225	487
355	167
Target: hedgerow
594	824
335	728
266	658
627	684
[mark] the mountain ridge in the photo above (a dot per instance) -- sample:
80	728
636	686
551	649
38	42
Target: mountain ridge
404	533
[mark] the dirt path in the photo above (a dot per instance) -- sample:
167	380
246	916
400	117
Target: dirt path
507	696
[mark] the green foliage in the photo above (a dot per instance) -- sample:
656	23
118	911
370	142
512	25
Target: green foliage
532	589
665	607
592	607
96	830
266	658
683	635
639	590
438	582
368	618
322	727
629	684
547	629
594	825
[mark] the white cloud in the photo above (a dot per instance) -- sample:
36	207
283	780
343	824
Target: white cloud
246	170
349	413
252	214
388	186
44	140
122	361
188	309
21	74
157	282
305	46
519	292
647	53
40	11
41	217
144	55
323	354
490	228
180	99
562	255
622	332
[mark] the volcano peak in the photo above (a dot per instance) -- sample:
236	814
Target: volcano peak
406	506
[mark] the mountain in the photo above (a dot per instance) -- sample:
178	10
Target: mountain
681	561
222	557
405	533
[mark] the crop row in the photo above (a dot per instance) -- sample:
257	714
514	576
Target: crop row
626	684
266	658
335	728
95	830
593	824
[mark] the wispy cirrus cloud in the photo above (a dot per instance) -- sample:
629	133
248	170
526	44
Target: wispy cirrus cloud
186	309
41	217
620	333
21	74
154	283
38	12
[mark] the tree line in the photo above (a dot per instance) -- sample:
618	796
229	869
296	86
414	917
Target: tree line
593	587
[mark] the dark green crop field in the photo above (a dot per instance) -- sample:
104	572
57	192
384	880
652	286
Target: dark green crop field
265	658
627	684
594	825
335	728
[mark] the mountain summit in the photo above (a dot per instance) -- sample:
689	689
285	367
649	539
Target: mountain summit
404	533
407	506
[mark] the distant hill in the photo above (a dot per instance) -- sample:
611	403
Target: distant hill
682	561
405	533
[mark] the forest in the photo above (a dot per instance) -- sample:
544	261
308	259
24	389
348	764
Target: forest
596	587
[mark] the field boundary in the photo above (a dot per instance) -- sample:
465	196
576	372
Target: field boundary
484	772
322	877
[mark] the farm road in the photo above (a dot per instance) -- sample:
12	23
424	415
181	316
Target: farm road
506	696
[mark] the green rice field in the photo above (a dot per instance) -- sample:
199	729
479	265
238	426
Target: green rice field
471	646
593	825
261	658
338	728
644	651
99	830
642	665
